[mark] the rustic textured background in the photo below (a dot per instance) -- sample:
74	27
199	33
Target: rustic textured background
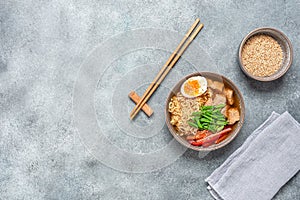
43	44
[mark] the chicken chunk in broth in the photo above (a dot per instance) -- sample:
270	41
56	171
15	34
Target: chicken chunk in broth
223	95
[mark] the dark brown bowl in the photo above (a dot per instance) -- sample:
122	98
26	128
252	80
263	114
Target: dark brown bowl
236	128
286	47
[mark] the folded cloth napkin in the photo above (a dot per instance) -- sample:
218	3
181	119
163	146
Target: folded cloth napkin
262	165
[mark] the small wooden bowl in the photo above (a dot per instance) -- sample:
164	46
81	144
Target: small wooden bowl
286	47
237	126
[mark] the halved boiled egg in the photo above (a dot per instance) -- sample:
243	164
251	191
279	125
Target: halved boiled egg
194	87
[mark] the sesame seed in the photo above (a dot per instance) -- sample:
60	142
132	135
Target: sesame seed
262	55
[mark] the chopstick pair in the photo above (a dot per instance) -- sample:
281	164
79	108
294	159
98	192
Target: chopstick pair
185	42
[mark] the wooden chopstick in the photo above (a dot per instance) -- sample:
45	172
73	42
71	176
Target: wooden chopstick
187	35
167	67
166	71
148	95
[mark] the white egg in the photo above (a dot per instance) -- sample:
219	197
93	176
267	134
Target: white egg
194	87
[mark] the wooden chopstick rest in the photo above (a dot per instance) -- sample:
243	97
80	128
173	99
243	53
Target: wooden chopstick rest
135	98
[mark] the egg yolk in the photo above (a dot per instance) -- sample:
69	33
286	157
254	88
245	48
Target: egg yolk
192	87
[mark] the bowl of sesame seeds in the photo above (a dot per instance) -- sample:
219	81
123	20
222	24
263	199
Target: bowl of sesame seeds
265	54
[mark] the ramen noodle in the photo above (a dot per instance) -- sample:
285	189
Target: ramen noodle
181	109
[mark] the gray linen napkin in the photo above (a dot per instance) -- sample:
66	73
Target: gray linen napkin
262	165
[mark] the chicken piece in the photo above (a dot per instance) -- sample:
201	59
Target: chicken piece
210	92
209	82
224	111
219	99
229	95
216	85
233	115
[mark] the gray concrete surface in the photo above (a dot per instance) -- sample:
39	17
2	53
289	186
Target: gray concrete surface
43	44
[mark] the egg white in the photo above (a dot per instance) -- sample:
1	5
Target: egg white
203	86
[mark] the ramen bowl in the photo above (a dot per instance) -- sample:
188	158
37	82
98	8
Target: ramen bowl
238	103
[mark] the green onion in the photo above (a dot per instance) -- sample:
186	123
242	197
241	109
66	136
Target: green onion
220	128
205	120
199	124
209	118
196	114
192	124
